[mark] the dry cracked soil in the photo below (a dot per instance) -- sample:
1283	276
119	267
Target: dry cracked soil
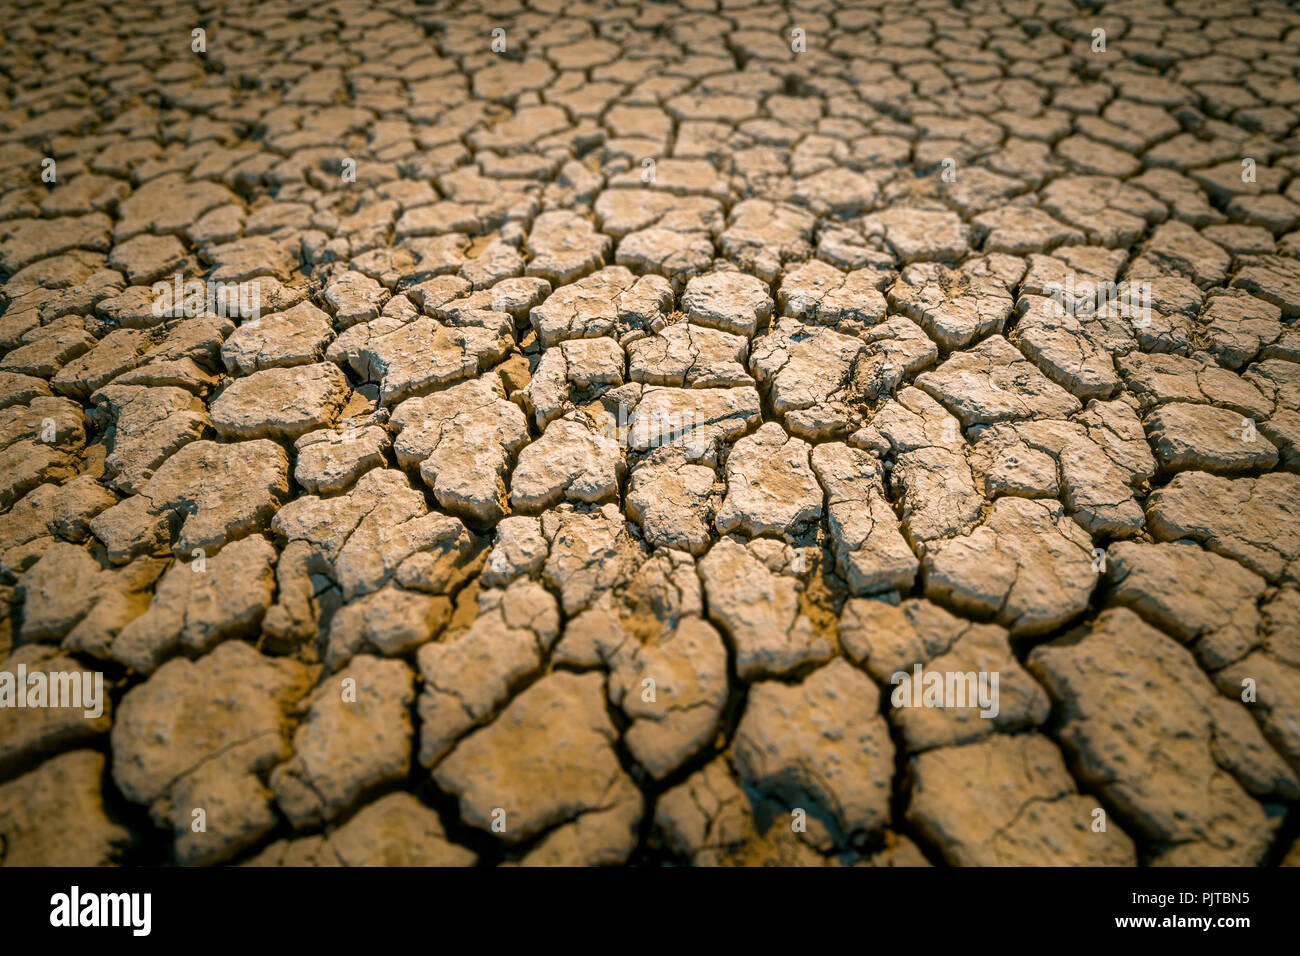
549	432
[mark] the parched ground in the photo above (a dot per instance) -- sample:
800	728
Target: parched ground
635	389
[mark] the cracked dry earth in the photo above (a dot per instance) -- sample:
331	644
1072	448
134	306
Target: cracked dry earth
651	350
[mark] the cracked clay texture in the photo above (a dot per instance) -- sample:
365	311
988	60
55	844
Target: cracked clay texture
565	433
